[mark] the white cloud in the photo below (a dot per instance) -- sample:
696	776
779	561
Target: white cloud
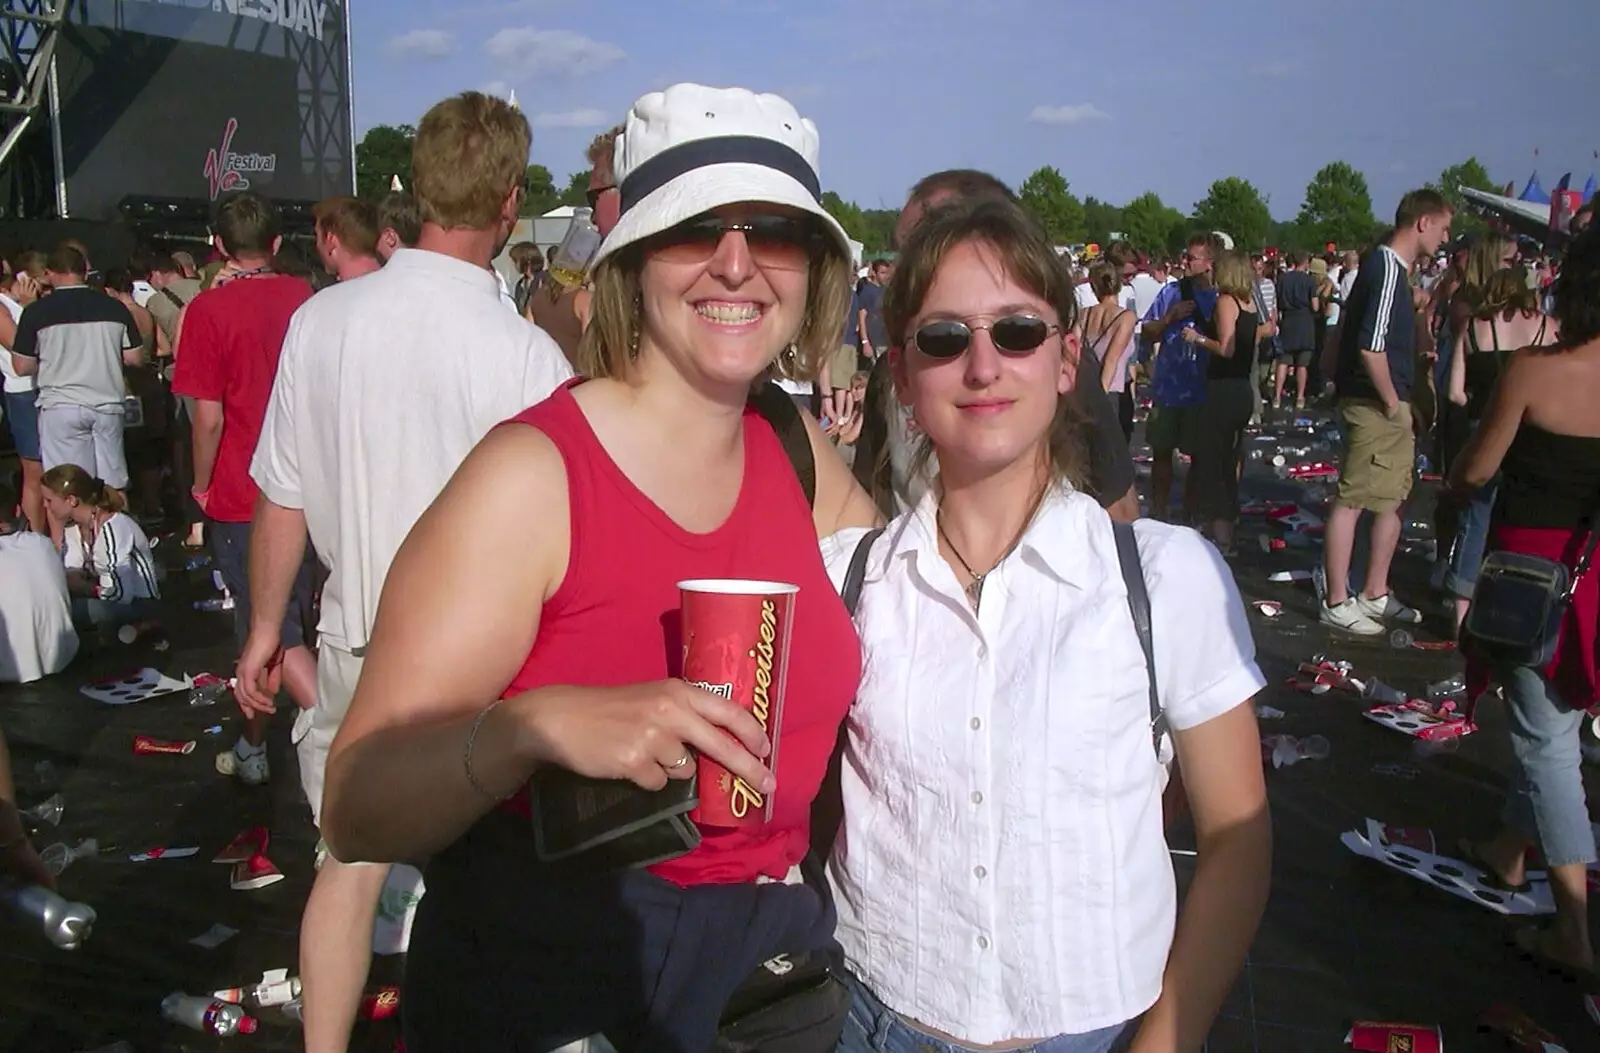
550	52
422	44
1076	113
583	118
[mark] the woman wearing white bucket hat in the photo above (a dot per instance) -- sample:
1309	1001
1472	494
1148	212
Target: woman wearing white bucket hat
653	471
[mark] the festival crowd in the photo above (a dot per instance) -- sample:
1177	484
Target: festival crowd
1007	678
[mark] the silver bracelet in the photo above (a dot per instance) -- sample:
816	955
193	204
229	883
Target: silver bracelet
466	755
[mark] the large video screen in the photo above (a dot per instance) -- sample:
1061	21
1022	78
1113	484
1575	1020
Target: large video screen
165	99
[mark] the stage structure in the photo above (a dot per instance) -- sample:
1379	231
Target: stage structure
149	110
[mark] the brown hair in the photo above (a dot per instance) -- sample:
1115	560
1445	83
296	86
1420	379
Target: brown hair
31	262
64	259
1029	259
68	480
1419	205
1506	292
247	224
602	156
1233	274
398	212
963	183
353	221
611	339
1483	261
1119	254
471	151
525	254
1105	279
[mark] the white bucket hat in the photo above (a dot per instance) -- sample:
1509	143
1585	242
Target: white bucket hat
690	149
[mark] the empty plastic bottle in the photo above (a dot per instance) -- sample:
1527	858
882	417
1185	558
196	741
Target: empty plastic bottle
1375	690
216	603
198	561
64	923
59	857
208	693
207	1015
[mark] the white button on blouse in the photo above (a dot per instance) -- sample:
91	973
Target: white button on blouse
1050	909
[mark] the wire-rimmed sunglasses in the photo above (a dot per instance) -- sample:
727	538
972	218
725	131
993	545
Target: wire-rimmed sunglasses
1016	335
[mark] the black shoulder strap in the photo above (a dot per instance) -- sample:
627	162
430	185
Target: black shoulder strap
856	574
827	808
1139	607
774	404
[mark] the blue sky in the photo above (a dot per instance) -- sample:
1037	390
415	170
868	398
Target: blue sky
1165	99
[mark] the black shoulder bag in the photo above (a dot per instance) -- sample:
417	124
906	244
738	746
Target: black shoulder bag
612	824
1518	605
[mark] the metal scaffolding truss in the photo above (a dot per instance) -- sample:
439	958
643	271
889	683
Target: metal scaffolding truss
325	120
30	29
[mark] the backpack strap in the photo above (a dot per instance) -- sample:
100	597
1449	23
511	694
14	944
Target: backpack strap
779	410
827	808
1139	607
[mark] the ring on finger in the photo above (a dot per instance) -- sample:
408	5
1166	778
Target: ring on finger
680	763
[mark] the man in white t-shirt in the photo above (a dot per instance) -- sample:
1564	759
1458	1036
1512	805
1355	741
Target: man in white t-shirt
384	386
36	635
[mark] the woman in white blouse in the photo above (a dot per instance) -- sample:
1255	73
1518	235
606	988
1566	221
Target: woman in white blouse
1002	874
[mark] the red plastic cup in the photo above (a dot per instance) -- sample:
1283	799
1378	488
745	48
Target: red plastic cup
1370	1037
736	644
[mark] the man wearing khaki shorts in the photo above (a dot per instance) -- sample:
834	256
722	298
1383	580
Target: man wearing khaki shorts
1373	376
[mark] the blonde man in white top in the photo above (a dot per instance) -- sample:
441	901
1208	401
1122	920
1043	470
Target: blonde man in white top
1002	876
384	386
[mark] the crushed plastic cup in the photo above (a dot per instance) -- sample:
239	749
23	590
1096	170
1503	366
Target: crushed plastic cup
47	812
1451	688
1285	750
58	857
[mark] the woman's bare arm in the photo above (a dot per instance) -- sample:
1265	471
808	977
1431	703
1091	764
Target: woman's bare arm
455	624
1221	764
1480	460
1458	369
841	502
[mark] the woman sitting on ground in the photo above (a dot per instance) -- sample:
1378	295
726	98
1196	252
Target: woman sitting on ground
110	572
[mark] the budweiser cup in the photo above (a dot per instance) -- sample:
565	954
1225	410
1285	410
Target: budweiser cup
736	645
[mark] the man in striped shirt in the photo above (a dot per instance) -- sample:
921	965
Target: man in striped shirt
1373	376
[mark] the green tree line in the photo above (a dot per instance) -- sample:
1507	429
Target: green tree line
1337	206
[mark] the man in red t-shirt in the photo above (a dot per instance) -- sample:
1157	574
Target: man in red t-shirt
227	359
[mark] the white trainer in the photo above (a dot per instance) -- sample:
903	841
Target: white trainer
251	770
1351	618
1386	608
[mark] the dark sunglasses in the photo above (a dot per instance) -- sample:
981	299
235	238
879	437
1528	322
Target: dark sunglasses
784	241
1017	335
593	194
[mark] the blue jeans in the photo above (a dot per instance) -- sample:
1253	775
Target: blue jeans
1546	804
1472	536
874	1028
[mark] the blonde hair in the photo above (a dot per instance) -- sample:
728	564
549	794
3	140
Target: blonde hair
471	151
611	339
1483	260
68	480
1234	275
1031	261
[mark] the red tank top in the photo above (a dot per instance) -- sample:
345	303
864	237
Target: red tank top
612	620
